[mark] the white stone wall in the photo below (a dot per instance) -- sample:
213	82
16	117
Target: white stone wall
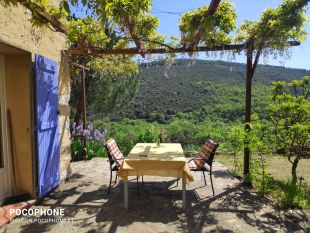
16	30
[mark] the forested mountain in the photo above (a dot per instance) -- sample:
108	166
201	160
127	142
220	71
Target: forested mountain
200	87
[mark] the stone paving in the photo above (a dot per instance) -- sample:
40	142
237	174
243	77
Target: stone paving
158	207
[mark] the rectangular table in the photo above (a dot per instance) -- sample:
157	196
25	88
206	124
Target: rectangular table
166	159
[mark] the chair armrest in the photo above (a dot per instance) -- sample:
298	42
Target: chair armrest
113	160
197	159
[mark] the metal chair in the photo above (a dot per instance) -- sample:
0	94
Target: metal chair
203	162
116	158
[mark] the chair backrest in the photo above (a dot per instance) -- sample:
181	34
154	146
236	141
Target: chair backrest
111	160
207	153
114	152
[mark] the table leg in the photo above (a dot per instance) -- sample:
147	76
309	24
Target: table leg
184	192
126	194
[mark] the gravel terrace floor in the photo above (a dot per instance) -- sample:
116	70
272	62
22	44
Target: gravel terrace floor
158	208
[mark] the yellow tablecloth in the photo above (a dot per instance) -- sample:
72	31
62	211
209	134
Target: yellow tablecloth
166	160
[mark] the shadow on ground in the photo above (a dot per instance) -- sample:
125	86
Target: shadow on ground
158	207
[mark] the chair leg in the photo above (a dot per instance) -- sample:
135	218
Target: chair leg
115	179
178	181
142	181
211	182
110	182
204	177
138	184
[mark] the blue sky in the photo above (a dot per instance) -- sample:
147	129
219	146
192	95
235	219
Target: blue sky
246	10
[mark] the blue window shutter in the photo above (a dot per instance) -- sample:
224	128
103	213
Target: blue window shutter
48	151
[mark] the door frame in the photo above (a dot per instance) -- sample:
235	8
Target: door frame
33	103
6	152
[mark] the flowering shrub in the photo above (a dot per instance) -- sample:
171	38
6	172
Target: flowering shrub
95	142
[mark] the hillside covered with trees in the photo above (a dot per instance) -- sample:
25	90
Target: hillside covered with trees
197	88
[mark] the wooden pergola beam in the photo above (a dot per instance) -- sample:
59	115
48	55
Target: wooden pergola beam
213	6
134	51
202	28
41	12
60	27
79	66
132	30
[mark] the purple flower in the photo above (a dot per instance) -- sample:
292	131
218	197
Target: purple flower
103	135
90	127
78	128
97	134
86	132
90	132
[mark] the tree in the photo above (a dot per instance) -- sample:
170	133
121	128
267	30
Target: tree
290	115
108	70
109	94
269	35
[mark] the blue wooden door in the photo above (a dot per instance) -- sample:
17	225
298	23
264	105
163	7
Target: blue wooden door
48	154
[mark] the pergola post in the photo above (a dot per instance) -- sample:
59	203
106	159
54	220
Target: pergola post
83	95
248	97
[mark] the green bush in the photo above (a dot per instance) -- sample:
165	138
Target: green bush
93	149
191	135
290	192
76	150
95	141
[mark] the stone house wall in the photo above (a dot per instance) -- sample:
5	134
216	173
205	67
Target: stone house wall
16	30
